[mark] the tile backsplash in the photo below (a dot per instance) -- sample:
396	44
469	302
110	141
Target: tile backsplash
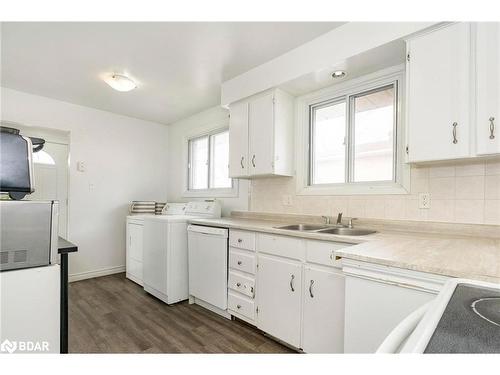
464	192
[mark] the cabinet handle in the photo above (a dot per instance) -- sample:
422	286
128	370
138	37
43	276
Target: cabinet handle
253	160
239	263
311	289
238	307
240	240
455	140
241	162
238	284
492	127
252	290
291	283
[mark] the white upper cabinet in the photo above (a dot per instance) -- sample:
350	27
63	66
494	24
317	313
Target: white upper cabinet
238	140
487	88
261	136
438	94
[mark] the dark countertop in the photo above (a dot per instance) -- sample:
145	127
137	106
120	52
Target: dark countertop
65	247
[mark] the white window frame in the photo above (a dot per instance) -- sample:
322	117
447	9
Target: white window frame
349	89
229	192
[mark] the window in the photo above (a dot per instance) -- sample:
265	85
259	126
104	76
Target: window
208	162
42	157
352	137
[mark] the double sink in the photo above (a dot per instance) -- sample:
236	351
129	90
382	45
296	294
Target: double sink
344	231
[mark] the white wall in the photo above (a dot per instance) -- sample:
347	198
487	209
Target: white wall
126	160
179	131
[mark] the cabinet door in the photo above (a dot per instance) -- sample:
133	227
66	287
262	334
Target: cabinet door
438	94
238	140
134	251
323	318
279	298
488	87
261	135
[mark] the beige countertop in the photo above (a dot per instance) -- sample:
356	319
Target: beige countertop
467	256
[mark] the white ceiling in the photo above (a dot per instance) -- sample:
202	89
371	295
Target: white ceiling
178	66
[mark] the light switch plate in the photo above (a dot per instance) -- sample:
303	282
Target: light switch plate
424	201
80	166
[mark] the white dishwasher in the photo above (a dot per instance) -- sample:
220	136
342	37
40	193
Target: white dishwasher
208	262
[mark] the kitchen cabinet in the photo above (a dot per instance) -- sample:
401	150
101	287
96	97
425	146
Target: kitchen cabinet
134	249
439	94
261	136
487	88
238	140
323	316
279	288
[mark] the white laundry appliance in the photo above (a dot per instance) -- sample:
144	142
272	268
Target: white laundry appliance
165	252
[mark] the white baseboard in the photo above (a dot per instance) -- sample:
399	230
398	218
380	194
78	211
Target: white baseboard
97	273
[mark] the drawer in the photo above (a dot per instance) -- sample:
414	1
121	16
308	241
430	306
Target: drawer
242	284
323	252
241	305
289	247
242	239
242	261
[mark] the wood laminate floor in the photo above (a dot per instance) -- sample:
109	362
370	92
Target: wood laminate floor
111	314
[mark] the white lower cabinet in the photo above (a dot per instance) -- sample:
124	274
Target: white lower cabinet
279	288
134	250
323	314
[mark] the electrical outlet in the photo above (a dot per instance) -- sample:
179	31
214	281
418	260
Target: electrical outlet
287	200
424	201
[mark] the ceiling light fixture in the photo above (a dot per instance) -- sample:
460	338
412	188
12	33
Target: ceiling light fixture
120	82
339	74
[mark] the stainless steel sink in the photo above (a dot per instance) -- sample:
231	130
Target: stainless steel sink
347	231
303	227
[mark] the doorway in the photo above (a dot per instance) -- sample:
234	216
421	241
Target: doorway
51	170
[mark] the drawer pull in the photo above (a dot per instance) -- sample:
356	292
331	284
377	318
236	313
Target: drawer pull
241	162
252	291
240	240
238	307
239	263
291	283
238	284
311	289
492	127
454	132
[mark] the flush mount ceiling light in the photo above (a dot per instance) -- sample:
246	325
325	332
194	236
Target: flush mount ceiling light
120	82
339	74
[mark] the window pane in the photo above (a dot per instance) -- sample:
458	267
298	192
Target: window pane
374	136
198	152
219	175
328	144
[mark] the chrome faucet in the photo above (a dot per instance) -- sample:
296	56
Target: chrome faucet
327	219
339	219
350	226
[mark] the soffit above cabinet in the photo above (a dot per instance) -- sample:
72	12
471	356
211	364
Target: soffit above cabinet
325	52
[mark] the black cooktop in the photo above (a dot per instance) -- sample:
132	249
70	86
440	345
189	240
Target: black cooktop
470	323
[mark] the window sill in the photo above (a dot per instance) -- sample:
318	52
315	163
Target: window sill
213	193
354	189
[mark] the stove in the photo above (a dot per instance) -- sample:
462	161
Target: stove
470	322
